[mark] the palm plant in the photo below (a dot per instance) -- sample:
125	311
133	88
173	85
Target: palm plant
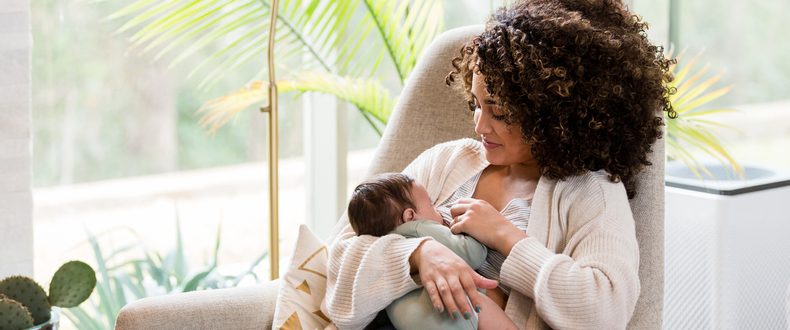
327	35
691	128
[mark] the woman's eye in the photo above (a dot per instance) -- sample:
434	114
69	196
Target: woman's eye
497	117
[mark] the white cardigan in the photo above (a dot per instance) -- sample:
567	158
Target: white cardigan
577	270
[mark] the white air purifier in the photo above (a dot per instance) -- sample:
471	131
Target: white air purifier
727	241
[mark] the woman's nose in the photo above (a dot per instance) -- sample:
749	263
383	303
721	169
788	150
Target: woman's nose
482	126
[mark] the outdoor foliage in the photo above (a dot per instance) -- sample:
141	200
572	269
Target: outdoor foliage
123	281
341	44
691	129
338	45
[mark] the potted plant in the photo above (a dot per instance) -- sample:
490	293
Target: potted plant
25	305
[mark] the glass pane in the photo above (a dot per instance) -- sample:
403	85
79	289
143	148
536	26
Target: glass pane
747	43
118	151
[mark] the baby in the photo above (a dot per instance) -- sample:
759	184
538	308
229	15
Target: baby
394	203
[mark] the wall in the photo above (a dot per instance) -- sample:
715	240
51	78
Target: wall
16	203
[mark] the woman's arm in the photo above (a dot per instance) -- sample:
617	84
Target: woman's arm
593	283
365	274
594	288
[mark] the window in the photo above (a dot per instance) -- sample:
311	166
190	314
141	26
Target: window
745	41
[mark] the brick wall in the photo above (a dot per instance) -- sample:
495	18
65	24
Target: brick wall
16	203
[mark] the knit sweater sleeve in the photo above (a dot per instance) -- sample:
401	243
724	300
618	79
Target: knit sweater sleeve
364	275
594	282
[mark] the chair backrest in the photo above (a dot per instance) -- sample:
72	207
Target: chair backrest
429	112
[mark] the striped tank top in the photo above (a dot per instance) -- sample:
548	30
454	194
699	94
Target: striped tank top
517	211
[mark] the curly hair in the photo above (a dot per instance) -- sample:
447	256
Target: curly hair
579	77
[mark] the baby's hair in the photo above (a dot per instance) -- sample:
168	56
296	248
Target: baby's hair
377	204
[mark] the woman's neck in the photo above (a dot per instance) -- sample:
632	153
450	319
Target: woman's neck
513	181
522	172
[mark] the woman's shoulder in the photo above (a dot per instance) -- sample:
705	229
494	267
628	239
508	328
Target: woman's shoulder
592	181
445	166
442	154
593	189
591	200
456	146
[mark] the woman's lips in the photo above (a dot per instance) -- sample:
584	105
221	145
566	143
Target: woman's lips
490	145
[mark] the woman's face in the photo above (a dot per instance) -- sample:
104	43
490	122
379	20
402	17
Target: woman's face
502	142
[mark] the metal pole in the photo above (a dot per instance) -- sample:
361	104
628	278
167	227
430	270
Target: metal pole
271	109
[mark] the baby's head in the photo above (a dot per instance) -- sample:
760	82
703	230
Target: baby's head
386	201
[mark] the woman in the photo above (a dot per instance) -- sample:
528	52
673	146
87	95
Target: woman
564	94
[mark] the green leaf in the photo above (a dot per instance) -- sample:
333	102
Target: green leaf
320	31
137	289
103	287
81	319
704	99
696	91
238	278
123	249
120	295
700	112
195	23
193	282
180	266
395	22
695	133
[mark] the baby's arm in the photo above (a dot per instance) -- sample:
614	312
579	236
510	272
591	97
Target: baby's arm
491	317
466	247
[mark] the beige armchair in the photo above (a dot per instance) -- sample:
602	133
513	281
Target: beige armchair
427	113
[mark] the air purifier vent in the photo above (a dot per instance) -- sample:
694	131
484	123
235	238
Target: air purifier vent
727	253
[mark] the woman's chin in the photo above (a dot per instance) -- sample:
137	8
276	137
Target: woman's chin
494	159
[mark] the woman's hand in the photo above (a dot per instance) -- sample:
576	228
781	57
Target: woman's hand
483	222
448	279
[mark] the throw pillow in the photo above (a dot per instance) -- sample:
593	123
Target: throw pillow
303	286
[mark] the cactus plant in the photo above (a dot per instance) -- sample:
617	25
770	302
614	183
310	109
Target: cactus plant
28	293
23	302
72	284
13	315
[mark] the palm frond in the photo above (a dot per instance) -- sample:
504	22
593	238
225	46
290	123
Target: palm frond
368	95
696	102
217	112
239	25
335	36
691	129
406	27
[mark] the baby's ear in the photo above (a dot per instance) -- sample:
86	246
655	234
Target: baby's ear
408	215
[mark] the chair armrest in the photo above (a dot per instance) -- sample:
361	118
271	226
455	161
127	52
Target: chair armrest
248	307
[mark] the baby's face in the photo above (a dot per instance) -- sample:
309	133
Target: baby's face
423	202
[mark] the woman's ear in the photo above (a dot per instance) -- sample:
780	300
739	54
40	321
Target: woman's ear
408	215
